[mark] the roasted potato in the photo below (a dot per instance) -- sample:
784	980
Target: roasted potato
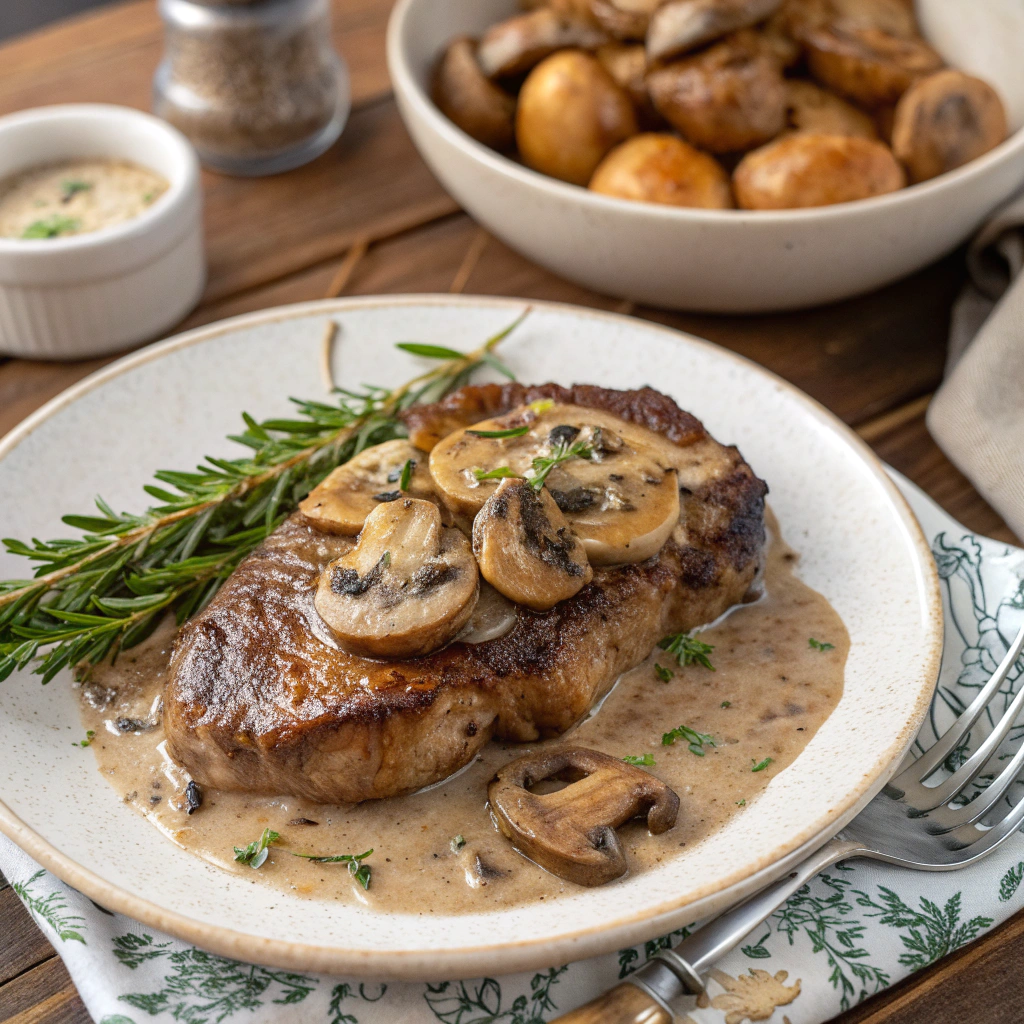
945	121
802	170
809	108
867	66
727	98
470	99
570	114
660	168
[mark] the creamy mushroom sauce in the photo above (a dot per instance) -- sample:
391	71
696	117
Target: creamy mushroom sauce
770	692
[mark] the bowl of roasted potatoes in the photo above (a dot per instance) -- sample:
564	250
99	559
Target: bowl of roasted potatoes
718	155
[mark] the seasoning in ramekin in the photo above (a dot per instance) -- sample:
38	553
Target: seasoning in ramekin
76	197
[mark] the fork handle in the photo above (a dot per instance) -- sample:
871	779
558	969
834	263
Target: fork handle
673	972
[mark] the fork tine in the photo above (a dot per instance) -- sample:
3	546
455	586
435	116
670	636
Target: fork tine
908	784
982	841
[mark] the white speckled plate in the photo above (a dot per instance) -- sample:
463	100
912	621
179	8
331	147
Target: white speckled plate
172	403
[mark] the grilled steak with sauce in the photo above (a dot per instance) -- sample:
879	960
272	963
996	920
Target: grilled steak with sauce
261	699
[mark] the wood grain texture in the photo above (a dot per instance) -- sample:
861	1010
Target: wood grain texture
43	995
22	944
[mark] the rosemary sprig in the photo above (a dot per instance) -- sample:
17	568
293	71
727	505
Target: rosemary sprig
109	589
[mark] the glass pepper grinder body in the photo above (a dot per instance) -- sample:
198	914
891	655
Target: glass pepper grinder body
254	84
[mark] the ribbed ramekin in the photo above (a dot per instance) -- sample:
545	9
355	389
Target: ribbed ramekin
102	291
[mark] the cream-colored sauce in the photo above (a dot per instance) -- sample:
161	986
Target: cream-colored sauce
768	695
76	197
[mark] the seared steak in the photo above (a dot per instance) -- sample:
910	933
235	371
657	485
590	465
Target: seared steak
261	699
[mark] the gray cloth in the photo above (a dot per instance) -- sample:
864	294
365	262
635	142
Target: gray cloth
977	416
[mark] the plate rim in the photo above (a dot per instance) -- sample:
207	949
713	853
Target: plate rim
536	952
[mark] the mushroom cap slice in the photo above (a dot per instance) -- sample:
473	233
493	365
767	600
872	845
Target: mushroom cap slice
571	113
406	588
659	168
944	121
520	43
725	99
802	169
622	501
679	26
526	549
341	502
466	96
809	108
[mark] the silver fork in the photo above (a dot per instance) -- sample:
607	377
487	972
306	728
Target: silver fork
908	823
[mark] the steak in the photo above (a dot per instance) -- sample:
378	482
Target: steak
261	699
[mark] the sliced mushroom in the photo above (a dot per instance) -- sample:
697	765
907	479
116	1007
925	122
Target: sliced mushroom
493	617
621	497
867	66
571	832
809	108
802	169
526	549
406	588
624	19
725	99
680	26
570	114
661	168
945	121
514	46
343	500
471	100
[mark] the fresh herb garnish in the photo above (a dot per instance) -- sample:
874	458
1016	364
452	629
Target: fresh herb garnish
360	872
69	189
406	476
457	843
560	452
761	765
511	432
741	803
695	740
542	405
89	733
108	590
642	760
664	674
256	853
726	704
501	473
148	197
820	645
687	650
51	227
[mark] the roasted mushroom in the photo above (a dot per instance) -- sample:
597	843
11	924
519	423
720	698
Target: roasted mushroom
526	549
514	46
571	832
809	108
945	121
627	64
802	169
679	26
659	168
467	97
867	66
624	19
894	17
383	473
727	98
615	482
406	588
570	114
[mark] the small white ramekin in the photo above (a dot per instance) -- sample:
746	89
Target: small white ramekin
102	291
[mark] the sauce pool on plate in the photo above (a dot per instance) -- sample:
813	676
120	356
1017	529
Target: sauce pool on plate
76	197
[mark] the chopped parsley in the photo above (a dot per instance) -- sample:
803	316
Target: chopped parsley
641	760
89	733
761	765
51	227
726	704
511	432
664	674
696	741
256	853
457	843
359	871
69	189
741	803
820	645
494	474
687	650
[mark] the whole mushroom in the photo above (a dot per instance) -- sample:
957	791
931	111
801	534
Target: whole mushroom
809	108
679	26
514	46
471	100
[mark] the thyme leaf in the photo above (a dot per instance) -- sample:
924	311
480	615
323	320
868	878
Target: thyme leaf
696	741
359	871
820	645
256	853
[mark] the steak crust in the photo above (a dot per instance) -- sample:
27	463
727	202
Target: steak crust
260	698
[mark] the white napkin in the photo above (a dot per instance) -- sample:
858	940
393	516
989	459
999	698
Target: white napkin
846	936
977	416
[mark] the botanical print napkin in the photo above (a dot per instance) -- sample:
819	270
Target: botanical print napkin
850	933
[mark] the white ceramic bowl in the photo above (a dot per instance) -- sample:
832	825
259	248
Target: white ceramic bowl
711	260
102	291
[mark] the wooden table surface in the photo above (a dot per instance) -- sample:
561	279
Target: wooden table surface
368	217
